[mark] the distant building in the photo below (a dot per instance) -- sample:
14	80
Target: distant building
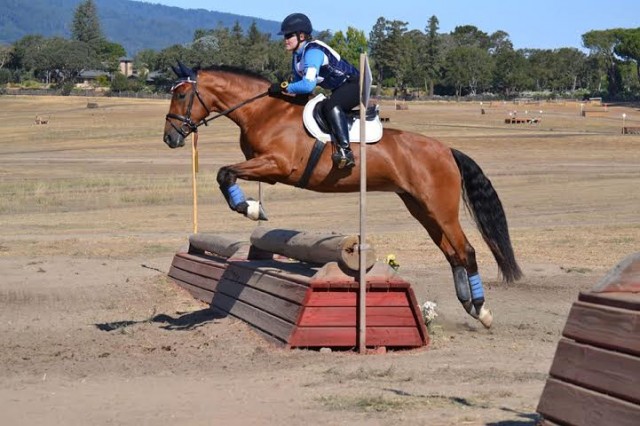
87	77
126	66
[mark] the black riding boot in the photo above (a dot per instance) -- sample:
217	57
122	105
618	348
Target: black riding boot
343	157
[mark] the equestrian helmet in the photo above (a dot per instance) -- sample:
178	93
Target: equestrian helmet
296	23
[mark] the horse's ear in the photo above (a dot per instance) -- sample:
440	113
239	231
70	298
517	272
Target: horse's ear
186	71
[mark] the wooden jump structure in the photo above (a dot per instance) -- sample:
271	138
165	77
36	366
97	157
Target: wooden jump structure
595	375
631	130
300	290
521	120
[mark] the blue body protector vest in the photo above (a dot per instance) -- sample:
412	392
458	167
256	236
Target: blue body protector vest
334	70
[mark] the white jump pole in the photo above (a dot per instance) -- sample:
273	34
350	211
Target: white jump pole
365	83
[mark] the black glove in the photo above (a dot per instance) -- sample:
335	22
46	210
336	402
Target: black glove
276	88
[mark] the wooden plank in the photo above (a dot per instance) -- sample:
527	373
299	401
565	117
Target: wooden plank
350	298
377	316
256	318
372	284
211	269
193	279
621	300
565	403
345	337
292	271
207	259
605	371
604	326
256	278
267	302
197	292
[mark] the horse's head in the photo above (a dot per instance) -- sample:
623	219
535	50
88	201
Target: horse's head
187	109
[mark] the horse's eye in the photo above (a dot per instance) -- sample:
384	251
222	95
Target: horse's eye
182	95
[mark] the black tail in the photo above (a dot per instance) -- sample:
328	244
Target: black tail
486	209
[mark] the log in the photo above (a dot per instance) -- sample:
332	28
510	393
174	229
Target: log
216	244
312	248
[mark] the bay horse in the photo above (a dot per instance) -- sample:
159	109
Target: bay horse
429	177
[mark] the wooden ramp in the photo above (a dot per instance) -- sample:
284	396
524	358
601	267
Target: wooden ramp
299	304
595	375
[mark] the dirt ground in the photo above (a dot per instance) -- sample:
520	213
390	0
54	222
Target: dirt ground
94	206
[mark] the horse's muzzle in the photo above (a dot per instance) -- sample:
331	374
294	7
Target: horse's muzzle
174	140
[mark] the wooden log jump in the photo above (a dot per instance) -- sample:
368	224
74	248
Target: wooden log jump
521	120
631	130
596	369
296	303
312	248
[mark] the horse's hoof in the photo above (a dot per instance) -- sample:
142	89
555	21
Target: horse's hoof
255	210
485	317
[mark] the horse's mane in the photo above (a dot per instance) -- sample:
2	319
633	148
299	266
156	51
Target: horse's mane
234	70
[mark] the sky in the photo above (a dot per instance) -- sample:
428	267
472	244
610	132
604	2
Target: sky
536	24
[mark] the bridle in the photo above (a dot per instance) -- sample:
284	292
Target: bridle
187	125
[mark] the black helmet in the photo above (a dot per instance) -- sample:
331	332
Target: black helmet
296	23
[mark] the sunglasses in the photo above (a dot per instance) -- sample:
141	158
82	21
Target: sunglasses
289	35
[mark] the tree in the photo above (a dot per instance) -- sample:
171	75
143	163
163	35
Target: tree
601	44
255	49
86	25
351	45
389	51
415	72
468	67
109	54
468	35
432	55
510	73
376	46
629	47
6	51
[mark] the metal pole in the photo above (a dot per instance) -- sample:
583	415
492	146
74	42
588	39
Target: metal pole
194	170
362	299
260	198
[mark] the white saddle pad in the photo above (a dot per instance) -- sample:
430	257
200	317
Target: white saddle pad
373	129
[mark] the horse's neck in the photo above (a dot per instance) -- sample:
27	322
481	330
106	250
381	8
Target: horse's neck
229	90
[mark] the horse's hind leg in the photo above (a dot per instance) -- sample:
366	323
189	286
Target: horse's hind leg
450	238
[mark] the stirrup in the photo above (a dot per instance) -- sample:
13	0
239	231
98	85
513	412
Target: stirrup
342	159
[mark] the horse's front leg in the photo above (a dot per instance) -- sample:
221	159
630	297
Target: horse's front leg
257	169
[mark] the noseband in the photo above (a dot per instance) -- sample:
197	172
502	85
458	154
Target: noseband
187	125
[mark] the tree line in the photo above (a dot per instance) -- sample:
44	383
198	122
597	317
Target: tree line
464	62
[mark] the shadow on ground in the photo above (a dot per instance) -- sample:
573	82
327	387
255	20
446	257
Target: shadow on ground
187	321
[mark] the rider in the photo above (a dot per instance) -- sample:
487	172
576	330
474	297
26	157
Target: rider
315	63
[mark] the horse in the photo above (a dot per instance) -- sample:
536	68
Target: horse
429	177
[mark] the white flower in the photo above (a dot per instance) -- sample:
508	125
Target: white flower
429	311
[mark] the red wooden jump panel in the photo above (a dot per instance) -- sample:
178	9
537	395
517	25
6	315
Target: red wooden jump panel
345	337
341	316
350	298
568	404
596	369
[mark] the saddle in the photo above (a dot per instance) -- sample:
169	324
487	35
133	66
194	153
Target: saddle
315	123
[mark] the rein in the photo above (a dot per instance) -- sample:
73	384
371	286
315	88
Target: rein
188	125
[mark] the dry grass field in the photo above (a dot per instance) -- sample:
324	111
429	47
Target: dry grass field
93	205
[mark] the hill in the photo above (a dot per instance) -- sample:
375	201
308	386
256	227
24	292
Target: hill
135	25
